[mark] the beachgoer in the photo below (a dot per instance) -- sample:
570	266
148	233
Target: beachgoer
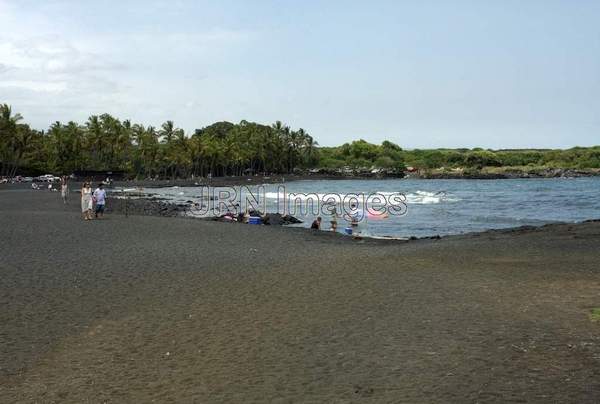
355	214
100	199
64	189
86	201
316	224
334	219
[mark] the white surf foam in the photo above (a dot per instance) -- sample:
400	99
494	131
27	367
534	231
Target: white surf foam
418	197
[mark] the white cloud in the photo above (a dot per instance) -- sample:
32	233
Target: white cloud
53	74
36	86
52	67
49	55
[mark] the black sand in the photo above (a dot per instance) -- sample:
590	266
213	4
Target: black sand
144	309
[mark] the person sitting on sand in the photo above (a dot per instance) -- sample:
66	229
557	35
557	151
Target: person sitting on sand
316	224
86	201
240	217
246	217
100	199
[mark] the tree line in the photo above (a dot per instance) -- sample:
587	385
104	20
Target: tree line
105	143
361	154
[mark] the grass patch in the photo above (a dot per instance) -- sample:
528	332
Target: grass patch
595	314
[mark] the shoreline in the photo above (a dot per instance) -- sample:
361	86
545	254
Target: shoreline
282	179
425	175
501	173
161	208
157	207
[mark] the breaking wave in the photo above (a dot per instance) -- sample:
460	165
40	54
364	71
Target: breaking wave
417	198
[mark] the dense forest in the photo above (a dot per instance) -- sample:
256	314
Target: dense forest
105	143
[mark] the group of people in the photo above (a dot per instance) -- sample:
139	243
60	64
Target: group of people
64	188
316	224
353	217
92	201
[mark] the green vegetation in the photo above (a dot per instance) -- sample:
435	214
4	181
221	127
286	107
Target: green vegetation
575	158
361	154
105	143
595	314
388	155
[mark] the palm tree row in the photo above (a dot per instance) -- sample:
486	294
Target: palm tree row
15	139
105	143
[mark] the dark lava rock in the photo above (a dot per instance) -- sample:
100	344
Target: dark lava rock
289	219
276	219
146	207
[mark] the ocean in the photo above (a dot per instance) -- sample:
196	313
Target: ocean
416	207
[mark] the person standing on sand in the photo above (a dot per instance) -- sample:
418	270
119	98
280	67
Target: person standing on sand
86	201
100	199
64	189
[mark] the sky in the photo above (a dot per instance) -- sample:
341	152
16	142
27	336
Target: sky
423	74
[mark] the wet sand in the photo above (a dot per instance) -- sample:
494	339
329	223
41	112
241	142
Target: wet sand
144	309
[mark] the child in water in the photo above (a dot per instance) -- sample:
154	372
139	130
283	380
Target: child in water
334	219
316	224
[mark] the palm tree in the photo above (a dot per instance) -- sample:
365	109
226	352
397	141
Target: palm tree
149	150
95	140
111	132
104	142
307	147
123	145
20	146
167	132
9	143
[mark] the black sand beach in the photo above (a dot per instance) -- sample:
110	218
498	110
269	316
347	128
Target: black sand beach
155	309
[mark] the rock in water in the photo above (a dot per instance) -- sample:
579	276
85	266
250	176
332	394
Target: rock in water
276	219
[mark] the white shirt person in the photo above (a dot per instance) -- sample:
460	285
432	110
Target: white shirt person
100	199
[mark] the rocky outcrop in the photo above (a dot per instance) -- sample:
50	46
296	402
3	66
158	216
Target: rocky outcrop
277	219
159	207
503	173
145	207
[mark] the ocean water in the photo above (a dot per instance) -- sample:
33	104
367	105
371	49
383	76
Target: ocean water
432	207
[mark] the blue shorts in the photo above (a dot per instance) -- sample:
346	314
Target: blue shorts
100	208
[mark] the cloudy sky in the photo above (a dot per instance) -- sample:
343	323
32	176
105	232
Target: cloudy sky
426	73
